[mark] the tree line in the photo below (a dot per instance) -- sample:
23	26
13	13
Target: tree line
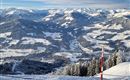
91	68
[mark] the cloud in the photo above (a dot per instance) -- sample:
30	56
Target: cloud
80	3
91	3
60	2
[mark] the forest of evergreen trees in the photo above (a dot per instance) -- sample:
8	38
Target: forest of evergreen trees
91	68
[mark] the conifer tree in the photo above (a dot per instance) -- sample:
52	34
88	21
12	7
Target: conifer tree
97	67
90	69
110	62
93	65
120	57
114	59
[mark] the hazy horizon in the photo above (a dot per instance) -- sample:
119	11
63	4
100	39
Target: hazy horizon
41	4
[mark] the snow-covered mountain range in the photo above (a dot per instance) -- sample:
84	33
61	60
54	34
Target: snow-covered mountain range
70	33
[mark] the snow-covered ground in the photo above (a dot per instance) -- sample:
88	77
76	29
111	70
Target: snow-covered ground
71	56
55	36
118	72
45	77
29	40
17	52
4	35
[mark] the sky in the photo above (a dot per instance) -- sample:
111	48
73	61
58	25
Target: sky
39	4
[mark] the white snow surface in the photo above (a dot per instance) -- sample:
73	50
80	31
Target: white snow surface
71	56
5	35
11	12
127	43
120	14
20	52
2	23
44	77
14	42
29	40
15	52
55	36
69	18
118	72
94	14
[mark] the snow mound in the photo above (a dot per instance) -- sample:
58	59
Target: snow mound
118	72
